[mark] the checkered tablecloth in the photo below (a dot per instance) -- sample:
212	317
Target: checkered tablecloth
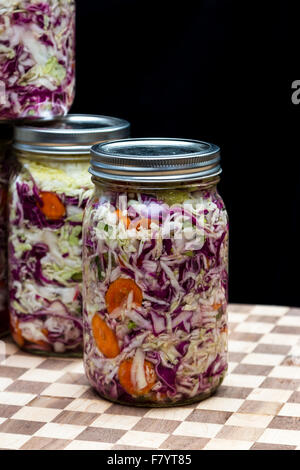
46	403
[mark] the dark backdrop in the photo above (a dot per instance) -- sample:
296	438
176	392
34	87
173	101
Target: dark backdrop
220	71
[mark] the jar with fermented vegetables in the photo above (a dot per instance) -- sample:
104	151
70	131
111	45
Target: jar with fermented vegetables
155	272
47	196
37	58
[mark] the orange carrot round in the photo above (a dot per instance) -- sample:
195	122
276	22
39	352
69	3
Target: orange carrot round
216	306
105	338
123	218
125	377
118	292
40	342
20	340
162	397
51	206
17	334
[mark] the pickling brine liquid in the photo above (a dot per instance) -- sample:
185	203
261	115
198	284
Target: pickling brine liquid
155	271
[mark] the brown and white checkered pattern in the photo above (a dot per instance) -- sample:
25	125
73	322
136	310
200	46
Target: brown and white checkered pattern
46	403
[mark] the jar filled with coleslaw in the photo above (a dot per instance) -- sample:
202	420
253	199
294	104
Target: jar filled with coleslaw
155	272
5	142
48	192
37	58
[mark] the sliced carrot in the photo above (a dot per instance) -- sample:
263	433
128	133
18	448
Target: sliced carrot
125	377
118	292
124	218
17	334
143	222
162	397
216	306
224	329
39	342
51	206
105	338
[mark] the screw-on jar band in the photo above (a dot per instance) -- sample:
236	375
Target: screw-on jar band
72	134
155	160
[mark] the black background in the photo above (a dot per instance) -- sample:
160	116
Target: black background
219	71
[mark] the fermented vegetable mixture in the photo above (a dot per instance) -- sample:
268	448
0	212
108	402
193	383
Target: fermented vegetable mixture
155	294
37	57
46	209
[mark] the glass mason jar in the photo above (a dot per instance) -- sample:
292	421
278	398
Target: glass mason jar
47	196
5	141
37	58
155	272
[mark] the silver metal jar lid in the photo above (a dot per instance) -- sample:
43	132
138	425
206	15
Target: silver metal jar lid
72	134
155	160
6	131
